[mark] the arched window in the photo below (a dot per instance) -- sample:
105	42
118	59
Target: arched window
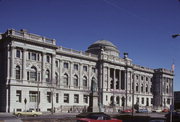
84	81
117	100
47	76
65	80
33	74
56	77
18	75
75	79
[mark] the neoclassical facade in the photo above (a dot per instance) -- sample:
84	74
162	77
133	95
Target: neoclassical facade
35	73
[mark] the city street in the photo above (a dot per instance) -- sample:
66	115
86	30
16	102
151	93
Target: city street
62	117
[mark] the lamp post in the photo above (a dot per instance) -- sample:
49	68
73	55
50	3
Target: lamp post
175	35
172	104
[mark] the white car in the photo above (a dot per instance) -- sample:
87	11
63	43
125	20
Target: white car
28	113
157	110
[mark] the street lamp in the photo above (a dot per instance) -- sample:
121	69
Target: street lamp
175	35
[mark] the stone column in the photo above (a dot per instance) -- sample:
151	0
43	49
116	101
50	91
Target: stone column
119	79
71	83
43	75
114	78
24	65
108	78
81	74
12	62
60	73
53	64
88	78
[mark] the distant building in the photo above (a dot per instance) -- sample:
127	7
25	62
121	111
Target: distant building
35	73
177	99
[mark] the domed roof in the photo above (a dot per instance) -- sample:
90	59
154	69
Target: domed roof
104	43
107	46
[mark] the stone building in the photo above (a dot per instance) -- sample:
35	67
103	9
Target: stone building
35	73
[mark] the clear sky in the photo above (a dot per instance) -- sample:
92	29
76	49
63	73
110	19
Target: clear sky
143	28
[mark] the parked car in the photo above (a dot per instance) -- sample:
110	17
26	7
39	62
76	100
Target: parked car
95	117
142	111
165	110
157	110
127	111
28	113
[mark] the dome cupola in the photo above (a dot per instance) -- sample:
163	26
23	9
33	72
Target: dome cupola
107	46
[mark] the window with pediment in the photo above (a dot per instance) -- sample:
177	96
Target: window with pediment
75	79
85	84
65	80
18	72
47	76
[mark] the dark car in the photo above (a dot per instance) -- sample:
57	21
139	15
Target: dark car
175	116
95	117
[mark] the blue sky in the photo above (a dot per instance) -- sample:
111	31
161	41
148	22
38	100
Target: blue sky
143	28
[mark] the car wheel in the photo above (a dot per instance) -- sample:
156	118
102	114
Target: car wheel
35	115
18	115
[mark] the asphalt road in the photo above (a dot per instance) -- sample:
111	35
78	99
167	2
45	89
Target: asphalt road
58	117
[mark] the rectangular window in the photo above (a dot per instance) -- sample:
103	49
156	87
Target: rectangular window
76	98
94	70
29	55
33	96
48	58
66	98
66	65
142	100
57	98
49	97
18	110
39	76
85	68
106	98
137	99
18	96
75	66
38	57
151	100
85	98
18	53
27	75
57	63
33	76
168	101
33	57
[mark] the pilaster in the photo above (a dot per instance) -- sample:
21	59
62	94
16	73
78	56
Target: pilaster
43	67
12	62
119	79
53	64
24	65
